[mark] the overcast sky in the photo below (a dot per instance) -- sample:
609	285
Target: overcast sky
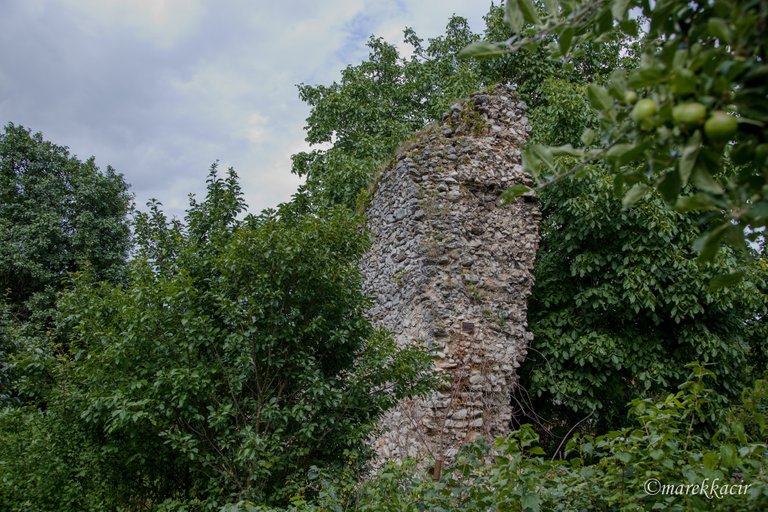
160	89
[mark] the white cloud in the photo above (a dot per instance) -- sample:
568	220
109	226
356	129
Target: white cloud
162	88
256	129
163	22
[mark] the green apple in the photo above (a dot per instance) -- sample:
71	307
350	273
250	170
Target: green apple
720	126
644	109
689	114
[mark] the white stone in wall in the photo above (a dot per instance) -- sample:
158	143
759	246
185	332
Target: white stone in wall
451	268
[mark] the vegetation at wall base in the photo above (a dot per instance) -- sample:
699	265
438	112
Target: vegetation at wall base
666	452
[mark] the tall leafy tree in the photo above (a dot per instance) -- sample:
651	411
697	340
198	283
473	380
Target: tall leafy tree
375	106
57	214
234	358
621	305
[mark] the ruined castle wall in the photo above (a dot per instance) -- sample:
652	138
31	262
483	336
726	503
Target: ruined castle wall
451	268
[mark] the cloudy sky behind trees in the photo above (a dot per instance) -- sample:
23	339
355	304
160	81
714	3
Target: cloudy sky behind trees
160	89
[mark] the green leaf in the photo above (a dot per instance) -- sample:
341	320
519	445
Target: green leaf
618	151
517	12
711	460
566	149
618	185
513	193
759	210
646	76
619	9
708	244
629	27
634	194
617	85
599	97
553	8
514	16
726	280
481	49
670	186
541	153
588	136
564	40
688	158
696	202
728	455
530	502
703	180
682	82
530	14
720	29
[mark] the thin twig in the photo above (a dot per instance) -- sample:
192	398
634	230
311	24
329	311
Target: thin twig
569	433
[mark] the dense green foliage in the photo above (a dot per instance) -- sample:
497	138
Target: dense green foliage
621	305
375	106
234	358
57	215
620	302
667	443
695	101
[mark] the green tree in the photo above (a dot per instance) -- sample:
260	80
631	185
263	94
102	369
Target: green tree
376	105
693	105
233	359
57	215
621	305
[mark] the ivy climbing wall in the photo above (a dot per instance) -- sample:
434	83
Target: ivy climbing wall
450	267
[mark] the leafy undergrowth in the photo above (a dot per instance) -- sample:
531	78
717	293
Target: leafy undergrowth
669	459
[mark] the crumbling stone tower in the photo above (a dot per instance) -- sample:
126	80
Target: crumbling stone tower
451	268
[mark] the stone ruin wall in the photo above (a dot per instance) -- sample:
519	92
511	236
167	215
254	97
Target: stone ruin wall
451	268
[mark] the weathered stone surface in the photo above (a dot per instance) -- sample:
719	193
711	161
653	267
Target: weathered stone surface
452	269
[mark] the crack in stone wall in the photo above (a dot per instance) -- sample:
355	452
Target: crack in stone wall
451	268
